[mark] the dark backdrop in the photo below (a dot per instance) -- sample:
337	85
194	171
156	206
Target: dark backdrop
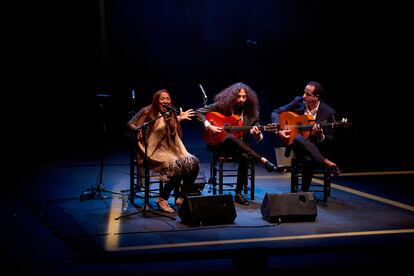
62	55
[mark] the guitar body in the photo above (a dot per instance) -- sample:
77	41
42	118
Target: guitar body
227	122
291	120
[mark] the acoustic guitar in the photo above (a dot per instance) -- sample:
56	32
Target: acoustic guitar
231	125
302	125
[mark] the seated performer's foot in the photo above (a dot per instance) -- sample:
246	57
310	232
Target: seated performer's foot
270	167
238	198
332	166
163	204
336	171
179	201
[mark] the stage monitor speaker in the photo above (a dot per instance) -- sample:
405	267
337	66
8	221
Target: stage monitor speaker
289	207
207	210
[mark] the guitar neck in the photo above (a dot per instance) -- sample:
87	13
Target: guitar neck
236	128
242	128
310	126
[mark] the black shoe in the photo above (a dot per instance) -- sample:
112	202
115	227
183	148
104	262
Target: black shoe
238	198
270	167
336	171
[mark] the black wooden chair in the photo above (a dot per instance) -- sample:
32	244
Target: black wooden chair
286	161
223	172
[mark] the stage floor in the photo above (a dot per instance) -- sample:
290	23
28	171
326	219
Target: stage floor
367	223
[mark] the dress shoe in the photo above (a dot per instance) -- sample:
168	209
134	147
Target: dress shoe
238	198
335	171
332	166
270	167
163	204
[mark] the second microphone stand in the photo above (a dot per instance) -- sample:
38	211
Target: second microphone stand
146	209
95	192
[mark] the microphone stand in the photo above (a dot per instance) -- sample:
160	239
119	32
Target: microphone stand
204	95
146	209
96	191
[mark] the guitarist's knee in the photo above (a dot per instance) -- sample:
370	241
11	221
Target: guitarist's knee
244	157
229	139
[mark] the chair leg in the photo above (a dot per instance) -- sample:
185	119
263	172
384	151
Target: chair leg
252	178
326	184
132	175
294	178
213	173
220	176
246	182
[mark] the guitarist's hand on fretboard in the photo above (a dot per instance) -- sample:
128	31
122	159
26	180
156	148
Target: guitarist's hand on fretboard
255	131
317	131
214	129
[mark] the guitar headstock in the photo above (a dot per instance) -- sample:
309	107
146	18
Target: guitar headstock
271	127
344	122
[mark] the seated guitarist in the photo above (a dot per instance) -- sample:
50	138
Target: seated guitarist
313	149
237	99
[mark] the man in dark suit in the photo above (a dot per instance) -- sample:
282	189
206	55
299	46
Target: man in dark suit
314	149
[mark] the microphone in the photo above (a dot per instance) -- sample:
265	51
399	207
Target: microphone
251	42
172	109
204	93
133	96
